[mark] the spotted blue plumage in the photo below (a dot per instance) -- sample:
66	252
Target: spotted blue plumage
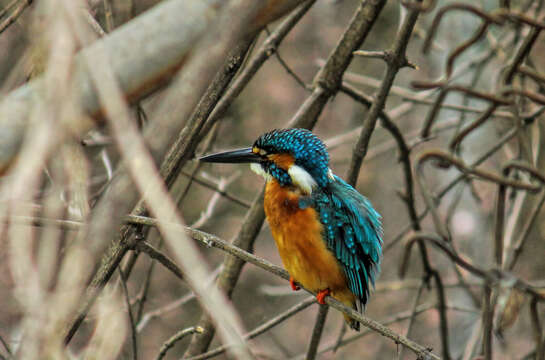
309	151
352	227
277	172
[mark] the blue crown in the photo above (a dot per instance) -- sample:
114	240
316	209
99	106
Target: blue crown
308	150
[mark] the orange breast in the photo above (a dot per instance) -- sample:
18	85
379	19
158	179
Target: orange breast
298	236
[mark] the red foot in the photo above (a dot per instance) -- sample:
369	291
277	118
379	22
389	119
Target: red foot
293	285
321	296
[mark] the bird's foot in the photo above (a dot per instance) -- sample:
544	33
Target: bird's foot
321	296
293	285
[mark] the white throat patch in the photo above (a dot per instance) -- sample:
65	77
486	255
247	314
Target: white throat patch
302	178
258	169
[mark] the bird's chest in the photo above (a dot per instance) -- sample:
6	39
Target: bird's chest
298	236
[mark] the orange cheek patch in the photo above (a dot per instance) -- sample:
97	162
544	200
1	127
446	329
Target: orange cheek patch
284	161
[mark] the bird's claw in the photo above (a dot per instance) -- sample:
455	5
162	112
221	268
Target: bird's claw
293	285
321	296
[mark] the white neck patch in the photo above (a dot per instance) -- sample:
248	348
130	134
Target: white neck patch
302	178
299	176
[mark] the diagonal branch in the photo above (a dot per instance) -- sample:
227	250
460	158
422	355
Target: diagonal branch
397	61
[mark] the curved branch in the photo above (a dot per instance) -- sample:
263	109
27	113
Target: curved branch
500	206
445	89
488	18
438	242
491	276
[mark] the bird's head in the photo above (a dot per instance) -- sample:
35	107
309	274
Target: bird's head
293	157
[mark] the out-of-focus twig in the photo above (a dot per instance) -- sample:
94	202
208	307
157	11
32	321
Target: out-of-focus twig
108	15
207	214
317	332
448	160
500	205
513	252
445	189
491	276
445	89
388	321
539	338
265	51
150	315
260	329
6	346
4	10
413	315
15	14
488	317
131	316
234	198
155	254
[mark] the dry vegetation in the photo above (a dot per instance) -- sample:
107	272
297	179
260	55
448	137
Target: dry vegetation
433	109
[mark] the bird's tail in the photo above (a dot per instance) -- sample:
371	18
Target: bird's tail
348	299
352	323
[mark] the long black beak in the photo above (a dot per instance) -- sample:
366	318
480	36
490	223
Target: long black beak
233	156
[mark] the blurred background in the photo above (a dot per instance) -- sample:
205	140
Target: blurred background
162	304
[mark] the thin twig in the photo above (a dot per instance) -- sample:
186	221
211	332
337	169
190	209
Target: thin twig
167	345
156	254
491	276
287	68
413	315
143	294
6	346
14	15
221	192
539	338
4	11
317	332
129	311
150	315
260	329
266	50
488	316
515	249
109	15
390	320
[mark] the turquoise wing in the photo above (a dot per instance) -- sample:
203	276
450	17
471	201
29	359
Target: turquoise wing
353	232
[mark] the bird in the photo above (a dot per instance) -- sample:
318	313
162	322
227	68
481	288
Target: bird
328	235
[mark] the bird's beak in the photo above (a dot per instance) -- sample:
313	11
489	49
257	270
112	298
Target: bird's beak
233	156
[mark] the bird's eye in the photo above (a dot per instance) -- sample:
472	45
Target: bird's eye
261	152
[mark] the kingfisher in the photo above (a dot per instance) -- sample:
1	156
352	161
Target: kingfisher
328	235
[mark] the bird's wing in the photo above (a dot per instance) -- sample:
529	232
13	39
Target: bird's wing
353	232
